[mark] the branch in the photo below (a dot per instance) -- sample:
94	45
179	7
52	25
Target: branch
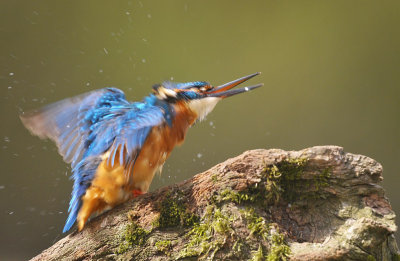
315	204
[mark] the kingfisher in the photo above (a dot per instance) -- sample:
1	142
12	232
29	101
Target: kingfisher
114	146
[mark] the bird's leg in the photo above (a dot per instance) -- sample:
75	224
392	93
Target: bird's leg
137	192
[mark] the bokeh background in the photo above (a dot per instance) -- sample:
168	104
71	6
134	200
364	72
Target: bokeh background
331	71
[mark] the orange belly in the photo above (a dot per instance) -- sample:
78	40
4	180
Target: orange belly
105	192
113	185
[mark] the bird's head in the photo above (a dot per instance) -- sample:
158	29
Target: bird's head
201	97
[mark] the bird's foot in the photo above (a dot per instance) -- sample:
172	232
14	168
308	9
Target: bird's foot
137	192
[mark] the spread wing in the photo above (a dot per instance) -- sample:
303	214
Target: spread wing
87	126
69	122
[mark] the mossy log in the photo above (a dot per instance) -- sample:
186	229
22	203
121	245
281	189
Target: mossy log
319	203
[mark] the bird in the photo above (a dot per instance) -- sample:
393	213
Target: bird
114	146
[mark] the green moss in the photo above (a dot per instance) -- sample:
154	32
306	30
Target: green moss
284	181
315	185
237	248
133	235
214	178
371	258
208	236
258	255
279	250
173	212
277	181
321	180
281	179
396	257
256	224
235	196
164	246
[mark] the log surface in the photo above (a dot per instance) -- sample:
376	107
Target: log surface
319	203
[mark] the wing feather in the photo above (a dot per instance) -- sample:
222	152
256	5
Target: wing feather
86	126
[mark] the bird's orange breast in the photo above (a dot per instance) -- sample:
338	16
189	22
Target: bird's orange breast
157	147
113	185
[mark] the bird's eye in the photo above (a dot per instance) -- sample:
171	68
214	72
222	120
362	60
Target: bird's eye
203	89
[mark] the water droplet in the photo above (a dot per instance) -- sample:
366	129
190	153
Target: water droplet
127	13
199	155
11	73
149	16
10	213
6	139
246	89
105	50
101	70
143	60
2	187
9	87
88	84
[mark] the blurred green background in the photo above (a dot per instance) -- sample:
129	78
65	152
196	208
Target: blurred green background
331	71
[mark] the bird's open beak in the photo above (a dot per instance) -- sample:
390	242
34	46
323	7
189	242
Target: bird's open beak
224	90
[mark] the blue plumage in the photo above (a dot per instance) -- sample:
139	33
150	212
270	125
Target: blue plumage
186	85
86	126
83	174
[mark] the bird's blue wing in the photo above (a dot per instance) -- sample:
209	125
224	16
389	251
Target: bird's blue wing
69	122
87	126
126	129
133	129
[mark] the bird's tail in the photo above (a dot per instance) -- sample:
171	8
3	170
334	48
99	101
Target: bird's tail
83	174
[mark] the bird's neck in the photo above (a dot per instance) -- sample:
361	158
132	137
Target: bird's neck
184	117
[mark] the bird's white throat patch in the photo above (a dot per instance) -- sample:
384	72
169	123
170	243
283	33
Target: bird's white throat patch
203	106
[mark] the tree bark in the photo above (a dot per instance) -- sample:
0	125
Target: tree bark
319	203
